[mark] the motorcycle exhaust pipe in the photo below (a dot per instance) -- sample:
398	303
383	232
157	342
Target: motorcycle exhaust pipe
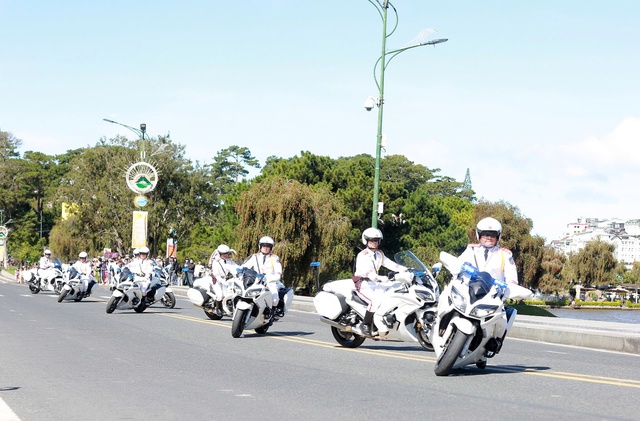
336	324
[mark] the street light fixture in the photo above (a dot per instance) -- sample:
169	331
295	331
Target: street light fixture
382	6
140	132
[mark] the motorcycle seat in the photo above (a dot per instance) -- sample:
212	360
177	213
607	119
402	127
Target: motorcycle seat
355	297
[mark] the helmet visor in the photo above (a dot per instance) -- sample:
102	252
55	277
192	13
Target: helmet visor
489	234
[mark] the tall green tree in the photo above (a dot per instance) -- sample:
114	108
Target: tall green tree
306	223
594	265
552	279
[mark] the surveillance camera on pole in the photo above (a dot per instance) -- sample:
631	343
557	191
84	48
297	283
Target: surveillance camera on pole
370	102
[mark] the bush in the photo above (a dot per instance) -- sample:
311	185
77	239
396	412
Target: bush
599	303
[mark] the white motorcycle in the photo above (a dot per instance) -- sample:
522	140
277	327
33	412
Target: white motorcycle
254	305
37	282
73	287
472	321
128	294
405	314
205	298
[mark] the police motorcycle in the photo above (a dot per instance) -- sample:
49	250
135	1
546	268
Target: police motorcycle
472	321
36	281
406	312
206	299
254	304
128	293
73	287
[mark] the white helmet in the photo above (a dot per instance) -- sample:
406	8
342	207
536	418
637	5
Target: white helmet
136	252
266	241
223	249
47	251
83	255
488	224
371	234
144	250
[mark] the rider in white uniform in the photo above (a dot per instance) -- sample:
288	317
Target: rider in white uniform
488	256
85	269
268	264
45	266
368	263
143	267
223	268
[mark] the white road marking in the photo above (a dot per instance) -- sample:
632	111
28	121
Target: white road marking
6	414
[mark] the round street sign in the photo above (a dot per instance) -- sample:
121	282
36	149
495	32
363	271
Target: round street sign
140	201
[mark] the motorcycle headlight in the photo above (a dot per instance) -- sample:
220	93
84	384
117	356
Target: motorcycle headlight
458	300
483	310
425	295
253	293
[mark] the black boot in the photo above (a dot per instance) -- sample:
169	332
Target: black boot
365	326
88	291
218	308
151	294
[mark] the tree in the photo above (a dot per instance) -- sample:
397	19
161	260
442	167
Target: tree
594	265
551	280
306	223
229	165
632	276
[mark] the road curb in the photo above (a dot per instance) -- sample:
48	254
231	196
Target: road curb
610	336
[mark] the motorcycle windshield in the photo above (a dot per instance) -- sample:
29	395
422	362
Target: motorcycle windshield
248	277
479	286
57	263
409	260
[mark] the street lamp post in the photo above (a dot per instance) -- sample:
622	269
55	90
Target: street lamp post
382	6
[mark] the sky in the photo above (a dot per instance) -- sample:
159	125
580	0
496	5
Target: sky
539	100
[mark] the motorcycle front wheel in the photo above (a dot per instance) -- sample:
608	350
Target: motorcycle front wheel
347	339
34	289
112	304
451	353
239	320
62	295
168	300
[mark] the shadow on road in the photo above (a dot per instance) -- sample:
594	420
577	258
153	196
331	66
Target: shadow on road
471	370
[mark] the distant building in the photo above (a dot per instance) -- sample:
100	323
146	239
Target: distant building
624	235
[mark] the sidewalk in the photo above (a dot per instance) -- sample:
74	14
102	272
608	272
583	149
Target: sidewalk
621	337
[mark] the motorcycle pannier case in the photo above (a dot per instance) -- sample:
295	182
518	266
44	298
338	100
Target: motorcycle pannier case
329	305
197	296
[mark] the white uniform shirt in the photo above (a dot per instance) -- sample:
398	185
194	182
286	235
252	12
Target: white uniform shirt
83	268
221	267
141	267
46	263
267	264
499	262
369	262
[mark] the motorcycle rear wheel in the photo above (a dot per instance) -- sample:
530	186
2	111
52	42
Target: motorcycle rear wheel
112	304
168	300
423	339
62	295
347	339
239	320
262	329
141	307
450	354
212	315
34	289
